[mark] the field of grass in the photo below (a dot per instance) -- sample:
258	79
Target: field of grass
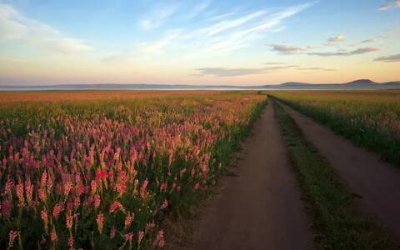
99	171
337	220
370	119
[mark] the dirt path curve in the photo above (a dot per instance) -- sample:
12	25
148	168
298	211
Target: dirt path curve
376	182
260	207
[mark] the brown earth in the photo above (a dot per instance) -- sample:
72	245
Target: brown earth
259	205
374	182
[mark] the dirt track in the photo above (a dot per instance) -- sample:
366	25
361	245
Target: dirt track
260	207
375	182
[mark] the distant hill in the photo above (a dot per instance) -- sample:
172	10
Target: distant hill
362	84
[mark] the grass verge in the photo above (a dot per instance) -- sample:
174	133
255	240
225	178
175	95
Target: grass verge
373	137
338	222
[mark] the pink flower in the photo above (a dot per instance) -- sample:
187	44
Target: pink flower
128	220
116	206
160	238
140	236
67	188
71	242
113	232
45	218
93	185
5	208
43	179
42	194
57	209
97	201
163	186
165	204
12	236
100	174
129	236
69	220
143	188
20	194
53	235
196	186
28	190
100	221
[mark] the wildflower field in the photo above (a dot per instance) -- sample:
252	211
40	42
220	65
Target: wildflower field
370	119
103	173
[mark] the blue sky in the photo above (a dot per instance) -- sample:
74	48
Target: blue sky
198	42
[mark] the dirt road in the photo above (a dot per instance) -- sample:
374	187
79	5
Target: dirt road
376	183
260	207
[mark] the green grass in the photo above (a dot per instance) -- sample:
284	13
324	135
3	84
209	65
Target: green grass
370	119
337	220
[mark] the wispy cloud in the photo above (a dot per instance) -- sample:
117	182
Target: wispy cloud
15	26
392	58
367	40
345	53
389	5
227	72
230	24
199	8
158	16
286	49
315	68
275	66
221	33
337	38
159	45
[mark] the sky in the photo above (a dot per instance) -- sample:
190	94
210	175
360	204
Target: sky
237	42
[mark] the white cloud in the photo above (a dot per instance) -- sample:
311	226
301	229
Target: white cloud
345	53
222	33
230	24
199	8
158	16
392	58
159	45
337	38
389	5
15	26
286	49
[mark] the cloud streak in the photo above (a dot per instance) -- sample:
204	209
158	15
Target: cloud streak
229	72
344	53
392	58
221	33
157	16
232	72
389	5
337	38
286	49
15	26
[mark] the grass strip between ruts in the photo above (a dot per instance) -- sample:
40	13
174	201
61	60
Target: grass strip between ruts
337	221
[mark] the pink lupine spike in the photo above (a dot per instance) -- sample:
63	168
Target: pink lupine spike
128	220
20	193
28	191
45	218
100	222
143	188
53	235
13	235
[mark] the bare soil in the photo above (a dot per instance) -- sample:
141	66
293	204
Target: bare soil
374	182
259	205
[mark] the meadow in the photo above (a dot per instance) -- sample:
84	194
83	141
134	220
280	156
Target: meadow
371	119
102	170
